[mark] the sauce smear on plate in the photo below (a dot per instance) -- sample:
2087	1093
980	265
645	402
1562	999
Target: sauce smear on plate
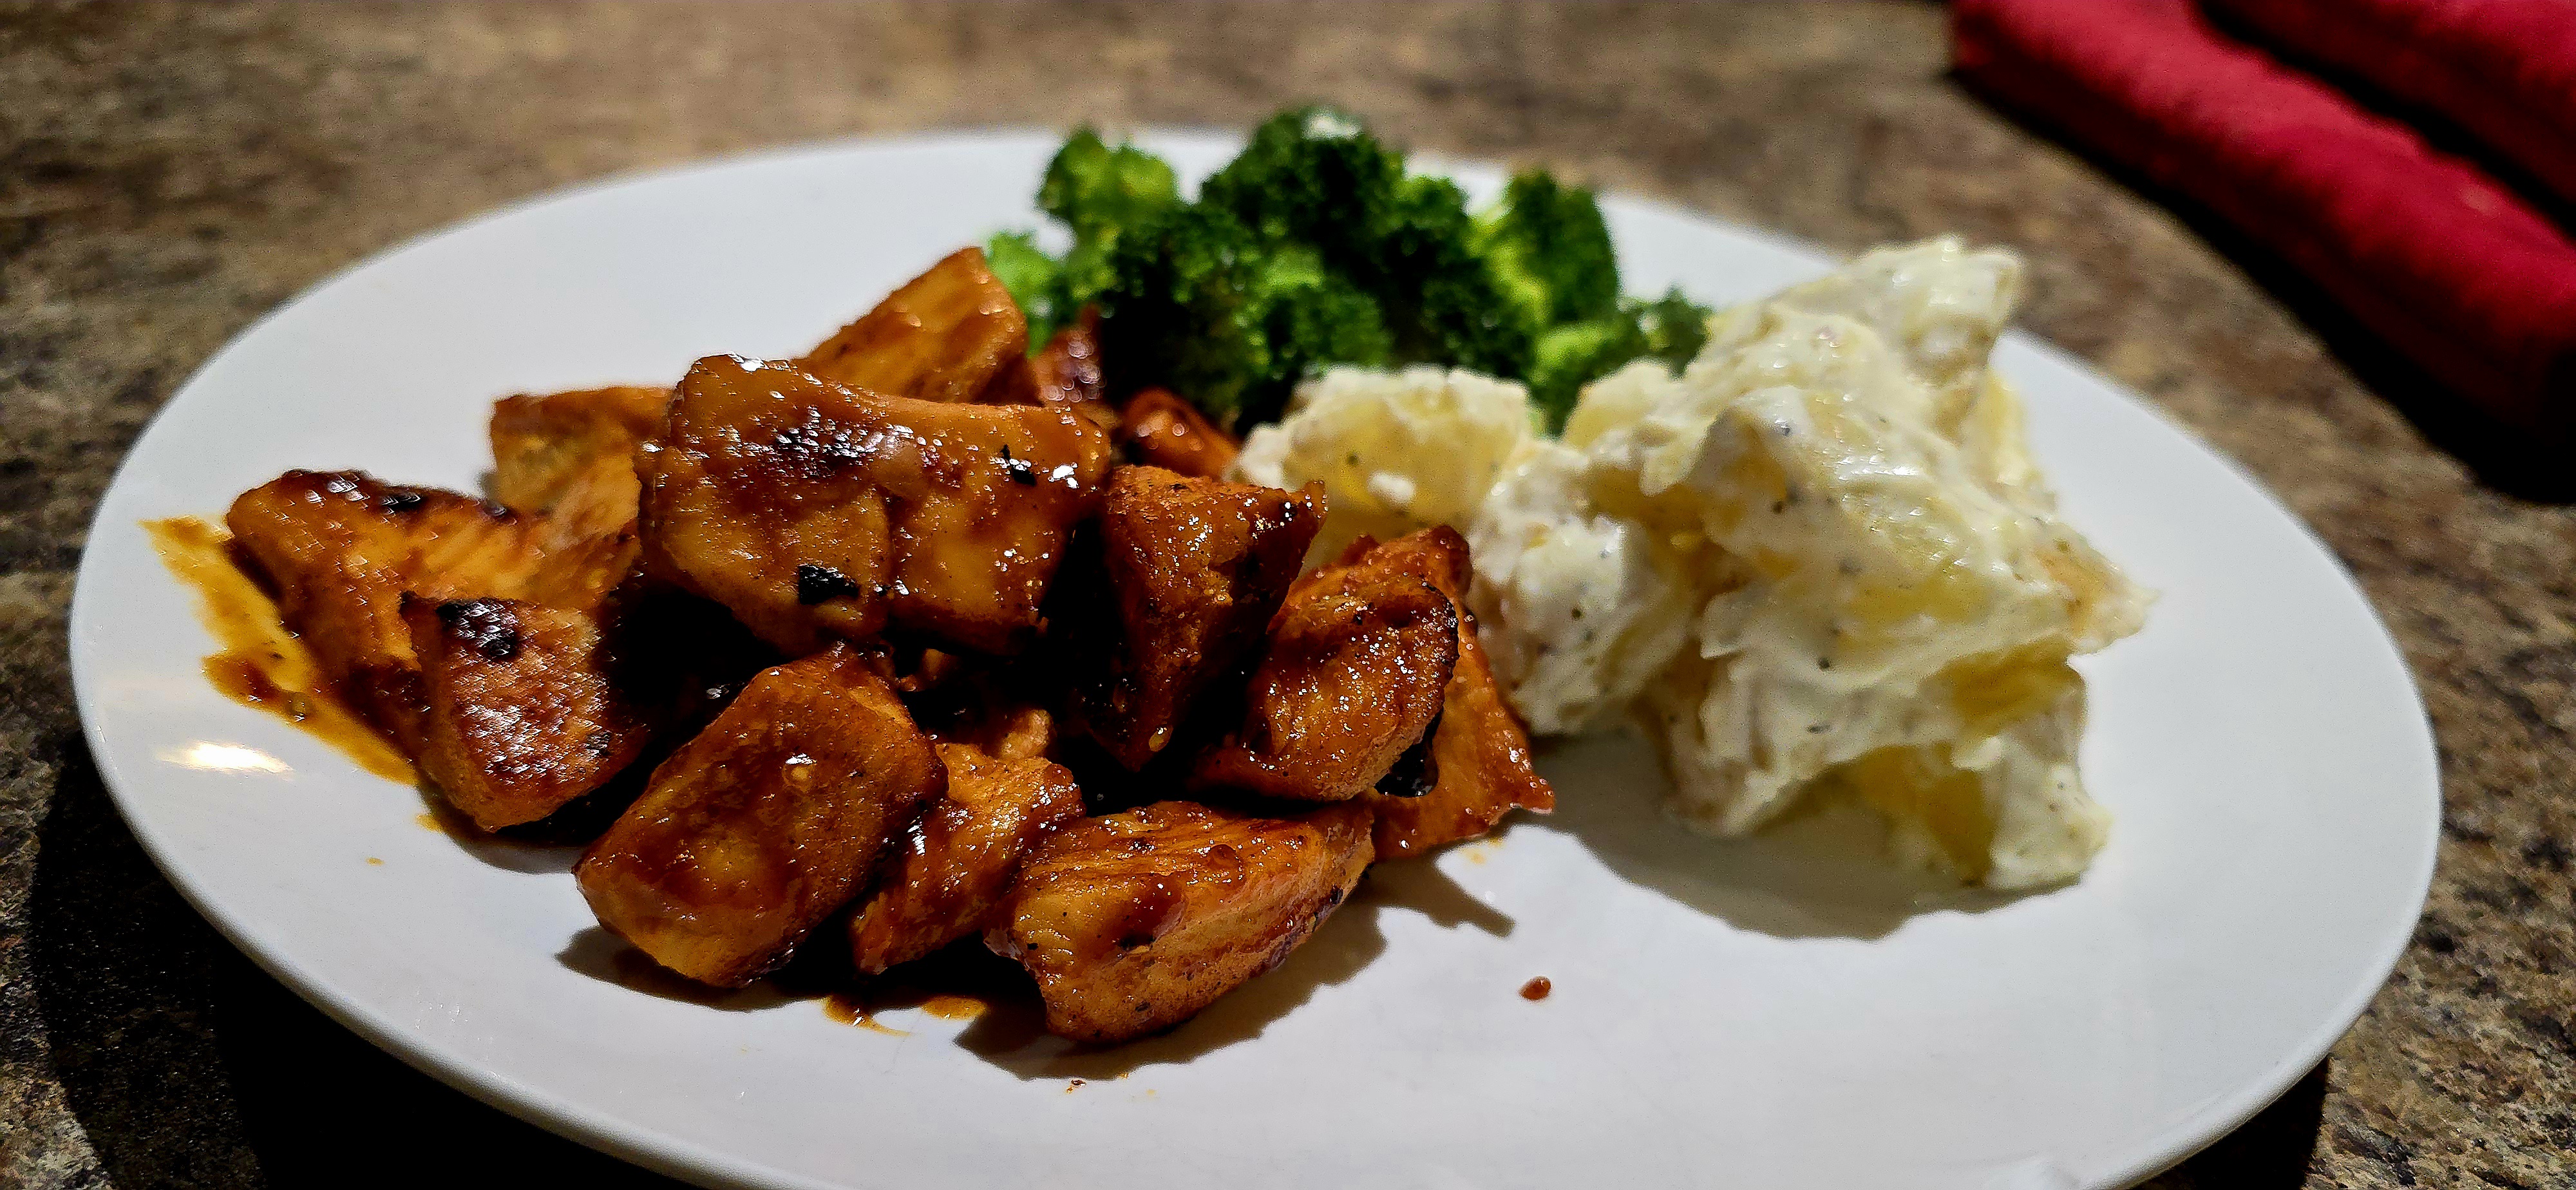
258	663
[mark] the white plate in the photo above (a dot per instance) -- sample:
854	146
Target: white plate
1723	1013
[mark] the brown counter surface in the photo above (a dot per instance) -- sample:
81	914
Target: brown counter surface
173	173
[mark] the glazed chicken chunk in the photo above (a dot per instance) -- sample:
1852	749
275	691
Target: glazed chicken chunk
340	549
1479	763
1133	922
1064	374
1347	690
944	336
1191	571
520	713
526	707
813	510
1160	429
952	867
544	446
569	460
765	823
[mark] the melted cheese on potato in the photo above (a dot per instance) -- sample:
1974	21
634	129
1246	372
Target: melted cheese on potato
1818	562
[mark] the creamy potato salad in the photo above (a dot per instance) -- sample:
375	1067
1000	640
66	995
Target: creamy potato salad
1816	563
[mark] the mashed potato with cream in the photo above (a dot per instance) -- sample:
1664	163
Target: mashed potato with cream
1819	562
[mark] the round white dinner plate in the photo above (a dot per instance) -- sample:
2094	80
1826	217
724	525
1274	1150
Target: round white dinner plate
1771	1013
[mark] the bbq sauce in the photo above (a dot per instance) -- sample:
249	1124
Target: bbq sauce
258	663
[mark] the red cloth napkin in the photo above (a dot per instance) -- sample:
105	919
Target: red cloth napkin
2505	70
2449	266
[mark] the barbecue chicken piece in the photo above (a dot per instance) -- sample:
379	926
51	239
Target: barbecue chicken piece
1350	684
773	817
988	709
521	713
1064	374
526	707
814	510
1160	429
1135	921
543	446
1014	733
952	867
944	336
1480	754
1192	570
571	457
340	549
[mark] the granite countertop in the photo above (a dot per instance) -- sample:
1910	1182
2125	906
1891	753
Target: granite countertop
172	173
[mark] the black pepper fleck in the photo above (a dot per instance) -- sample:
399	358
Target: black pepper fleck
488	625
1018	469
822	584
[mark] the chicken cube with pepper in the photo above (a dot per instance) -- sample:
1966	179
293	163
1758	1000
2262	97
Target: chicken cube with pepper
1348	688
543	446
944	336
521	715
569	460
1480	766
1133	922
814	510
340	549
1192	571
527	707
1159	429
769	820
952	867
1064	374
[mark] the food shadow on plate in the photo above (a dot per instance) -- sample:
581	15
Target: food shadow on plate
1007	1022
1012	1034
604	956
551	844
1815	874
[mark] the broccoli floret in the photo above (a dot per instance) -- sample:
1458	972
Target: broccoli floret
1199	306
1674	326
1575	354
1095	189
1178	310
1313	317
1552	248
1314	247
1086	272
1034	278
1444	302
1310	174
1315	176
1669	330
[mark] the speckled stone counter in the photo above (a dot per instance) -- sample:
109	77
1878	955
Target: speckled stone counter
170	174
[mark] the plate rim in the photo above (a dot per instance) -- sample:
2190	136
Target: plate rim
670	1155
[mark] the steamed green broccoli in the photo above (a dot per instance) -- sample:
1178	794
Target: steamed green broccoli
1669	330
1097	190
1445	303
1313	317
1552	249
1199	305
1315	247
1315	176
1675	327
1575	354
1034	278
1309	174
